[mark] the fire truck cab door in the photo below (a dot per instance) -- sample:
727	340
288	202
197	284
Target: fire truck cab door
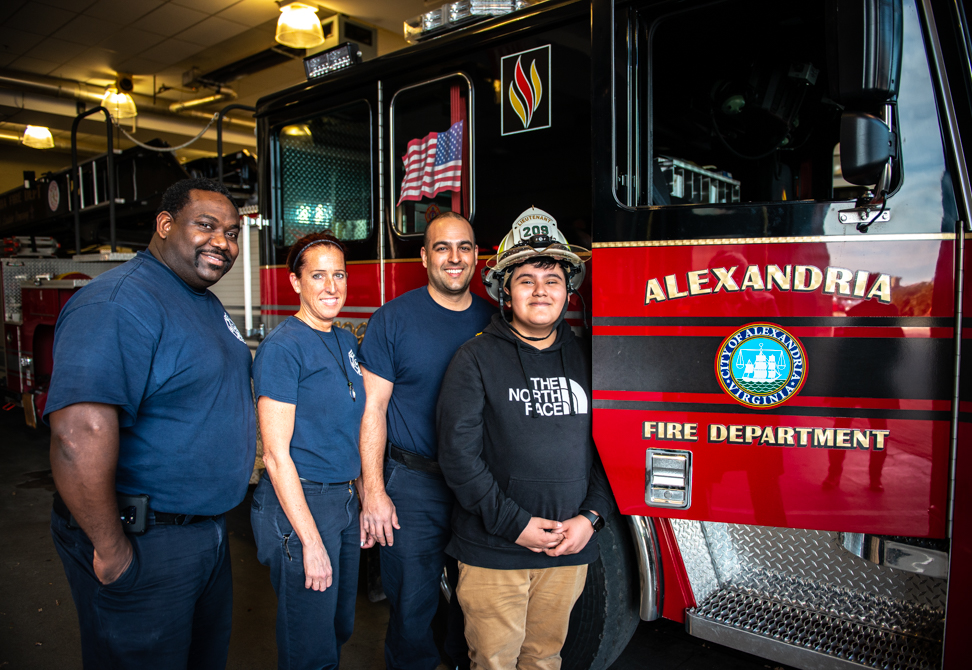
759	357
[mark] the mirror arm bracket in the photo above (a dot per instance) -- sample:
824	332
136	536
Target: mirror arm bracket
866	210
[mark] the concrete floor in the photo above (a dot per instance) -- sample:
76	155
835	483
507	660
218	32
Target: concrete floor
38	622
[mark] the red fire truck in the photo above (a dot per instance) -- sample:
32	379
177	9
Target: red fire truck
777	198
53	242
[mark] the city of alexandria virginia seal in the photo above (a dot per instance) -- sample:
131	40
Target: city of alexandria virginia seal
761	365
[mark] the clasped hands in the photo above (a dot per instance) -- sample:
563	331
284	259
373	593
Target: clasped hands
556	538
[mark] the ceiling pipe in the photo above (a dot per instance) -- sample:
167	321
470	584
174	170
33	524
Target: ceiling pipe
65	88
243	123
62	89
165	123
220	96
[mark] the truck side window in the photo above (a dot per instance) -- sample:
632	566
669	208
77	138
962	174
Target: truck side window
706	114
325	174
431	162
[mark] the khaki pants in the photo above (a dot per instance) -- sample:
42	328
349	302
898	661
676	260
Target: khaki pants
517	619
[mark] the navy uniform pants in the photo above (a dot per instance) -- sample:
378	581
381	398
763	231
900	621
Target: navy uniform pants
312	625
412	567
171	608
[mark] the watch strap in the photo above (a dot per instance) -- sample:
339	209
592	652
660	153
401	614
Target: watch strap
597	521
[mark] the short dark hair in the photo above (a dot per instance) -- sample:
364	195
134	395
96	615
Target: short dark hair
296	259
542	263
178	195
445	215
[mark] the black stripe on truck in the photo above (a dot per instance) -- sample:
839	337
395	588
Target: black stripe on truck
785	321
852	367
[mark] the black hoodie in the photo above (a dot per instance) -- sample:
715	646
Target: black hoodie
514	430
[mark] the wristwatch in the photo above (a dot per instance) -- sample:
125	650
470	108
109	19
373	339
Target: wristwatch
595	519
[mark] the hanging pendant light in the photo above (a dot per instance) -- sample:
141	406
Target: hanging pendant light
119	104
299	26
38	137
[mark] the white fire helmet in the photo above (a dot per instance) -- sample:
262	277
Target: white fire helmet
534	234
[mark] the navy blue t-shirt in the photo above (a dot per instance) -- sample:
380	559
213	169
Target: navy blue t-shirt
410	342
171	360
294	366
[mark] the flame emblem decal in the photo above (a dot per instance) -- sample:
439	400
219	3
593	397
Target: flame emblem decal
530	92
525	91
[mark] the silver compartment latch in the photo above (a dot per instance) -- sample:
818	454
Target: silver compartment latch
668	478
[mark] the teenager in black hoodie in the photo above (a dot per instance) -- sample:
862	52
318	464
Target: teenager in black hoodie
514	427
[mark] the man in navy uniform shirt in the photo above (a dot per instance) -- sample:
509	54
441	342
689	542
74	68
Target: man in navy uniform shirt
150	396
406	504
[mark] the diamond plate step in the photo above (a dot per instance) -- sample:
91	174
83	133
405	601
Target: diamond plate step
815	639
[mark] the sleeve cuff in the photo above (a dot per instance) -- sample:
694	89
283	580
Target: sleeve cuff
513	529
387	376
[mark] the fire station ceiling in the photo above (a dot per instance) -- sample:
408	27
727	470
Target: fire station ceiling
57	54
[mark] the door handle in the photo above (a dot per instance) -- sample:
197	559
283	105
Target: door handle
668	478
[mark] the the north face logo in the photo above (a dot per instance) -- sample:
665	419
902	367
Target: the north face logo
551	396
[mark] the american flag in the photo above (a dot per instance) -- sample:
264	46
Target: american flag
433	164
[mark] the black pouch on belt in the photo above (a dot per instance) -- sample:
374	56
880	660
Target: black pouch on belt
132	511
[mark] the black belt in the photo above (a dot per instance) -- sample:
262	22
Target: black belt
347	482
161	518
414	461
166	519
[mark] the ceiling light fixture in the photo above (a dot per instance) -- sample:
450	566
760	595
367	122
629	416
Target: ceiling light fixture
119	104
38	137
299	26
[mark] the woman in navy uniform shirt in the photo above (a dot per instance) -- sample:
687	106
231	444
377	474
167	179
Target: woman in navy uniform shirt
305	509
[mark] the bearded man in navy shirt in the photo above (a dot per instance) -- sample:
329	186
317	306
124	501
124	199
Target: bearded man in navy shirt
150	404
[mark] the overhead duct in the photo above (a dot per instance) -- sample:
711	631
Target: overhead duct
244	67
220	96
62	89
243	123
67	89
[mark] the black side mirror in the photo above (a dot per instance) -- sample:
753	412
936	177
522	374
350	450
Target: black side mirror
866	146
864	39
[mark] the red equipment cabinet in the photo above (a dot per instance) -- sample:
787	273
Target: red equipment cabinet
34	339
35	291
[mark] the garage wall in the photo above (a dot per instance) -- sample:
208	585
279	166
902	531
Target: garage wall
229	289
